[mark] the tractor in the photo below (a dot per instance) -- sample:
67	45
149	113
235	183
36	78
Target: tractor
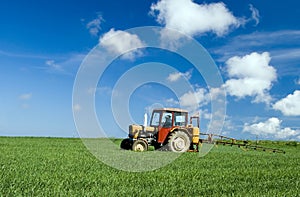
169	130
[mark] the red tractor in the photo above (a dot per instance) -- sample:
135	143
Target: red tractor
169	130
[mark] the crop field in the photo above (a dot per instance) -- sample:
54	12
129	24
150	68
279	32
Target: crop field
64	167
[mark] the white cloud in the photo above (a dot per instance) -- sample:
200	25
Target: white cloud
94	25
193	99
271	128
174	76
171	39
253	65
119	42
194	19
205	114
254	14
217	94
25	96
290	105
68	64
251	75
171	102
54	66
177	75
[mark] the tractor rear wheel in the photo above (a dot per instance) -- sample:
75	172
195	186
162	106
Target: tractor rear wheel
126	144
179	142
140	145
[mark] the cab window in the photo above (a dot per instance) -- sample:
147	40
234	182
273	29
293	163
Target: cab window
155	119
180	119
166	120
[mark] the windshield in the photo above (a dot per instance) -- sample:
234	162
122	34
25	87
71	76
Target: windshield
155	119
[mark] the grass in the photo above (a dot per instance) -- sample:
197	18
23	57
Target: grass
64	167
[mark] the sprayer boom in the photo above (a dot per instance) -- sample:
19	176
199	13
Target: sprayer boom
224	140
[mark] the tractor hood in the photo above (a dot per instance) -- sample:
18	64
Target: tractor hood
137	130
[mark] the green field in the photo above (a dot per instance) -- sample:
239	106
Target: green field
64	167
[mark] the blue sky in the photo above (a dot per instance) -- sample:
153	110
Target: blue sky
255	45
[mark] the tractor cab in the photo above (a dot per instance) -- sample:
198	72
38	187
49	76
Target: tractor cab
166	120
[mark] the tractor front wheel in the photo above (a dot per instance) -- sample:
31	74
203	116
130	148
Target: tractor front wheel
126	144
179	142
140	145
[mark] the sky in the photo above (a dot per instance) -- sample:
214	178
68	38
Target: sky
45	44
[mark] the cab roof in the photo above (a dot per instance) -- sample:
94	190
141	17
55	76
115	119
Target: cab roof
171	109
